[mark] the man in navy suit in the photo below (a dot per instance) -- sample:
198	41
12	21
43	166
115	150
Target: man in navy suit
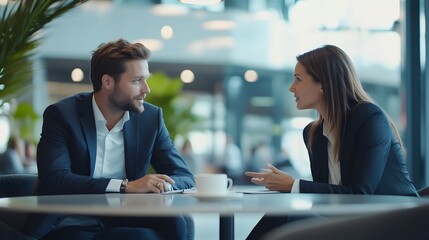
104	141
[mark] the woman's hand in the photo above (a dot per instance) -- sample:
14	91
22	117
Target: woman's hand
273	179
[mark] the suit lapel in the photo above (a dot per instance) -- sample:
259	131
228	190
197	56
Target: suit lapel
346	154
320	167
348	145
131	143
88	126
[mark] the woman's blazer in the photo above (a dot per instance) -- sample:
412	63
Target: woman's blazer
371	159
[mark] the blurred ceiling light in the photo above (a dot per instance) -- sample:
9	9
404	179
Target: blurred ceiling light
3	2
77	75
201	2
152	44
187	76
169	10
167	32
251	76
219	25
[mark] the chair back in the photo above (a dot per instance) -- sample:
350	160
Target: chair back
15	185
410	223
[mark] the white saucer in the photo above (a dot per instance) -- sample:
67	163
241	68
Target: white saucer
206	197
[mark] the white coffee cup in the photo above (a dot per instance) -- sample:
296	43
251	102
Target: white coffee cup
213	184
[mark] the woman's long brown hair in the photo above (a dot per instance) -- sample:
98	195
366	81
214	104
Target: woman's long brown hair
332	67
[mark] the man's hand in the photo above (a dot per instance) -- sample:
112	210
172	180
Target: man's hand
156	183
272	178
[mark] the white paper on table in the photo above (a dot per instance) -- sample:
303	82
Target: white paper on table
257	191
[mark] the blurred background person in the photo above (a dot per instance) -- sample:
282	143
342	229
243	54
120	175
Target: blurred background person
29	162
188	155
11	161
232	161
260	156
285	164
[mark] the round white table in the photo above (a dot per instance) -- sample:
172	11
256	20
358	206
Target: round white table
115	204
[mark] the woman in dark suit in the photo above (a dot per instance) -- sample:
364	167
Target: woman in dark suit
354	147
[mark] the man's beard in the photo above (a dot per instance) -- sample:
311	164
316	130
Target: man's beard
127	106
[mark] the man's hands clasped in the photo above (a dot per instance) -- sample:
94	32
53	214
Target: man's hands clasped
156	183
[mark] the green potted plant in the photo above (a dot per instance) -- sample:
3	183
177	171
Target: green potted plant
21	23
166	93
24	121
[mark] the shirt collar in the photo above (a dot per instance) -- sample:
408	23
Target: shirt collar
98	116
327	134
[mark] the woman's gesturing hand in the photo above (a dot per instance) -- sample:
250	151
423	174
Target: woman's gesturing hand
272	178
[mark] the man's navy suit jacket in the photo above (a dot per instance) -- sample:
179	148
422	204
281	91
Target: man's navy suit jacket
67	150
371	159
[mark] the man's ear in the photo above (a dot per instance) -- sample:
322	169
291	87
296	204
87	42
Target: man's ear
107	81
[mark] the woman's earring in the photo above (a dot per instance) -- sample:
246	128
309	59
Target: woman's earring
321	90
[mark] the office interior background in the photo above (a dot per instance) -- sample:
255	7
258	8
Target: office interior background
236	60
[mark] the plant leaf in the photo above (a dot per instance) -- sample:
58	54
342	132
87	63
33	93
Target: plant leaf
19	23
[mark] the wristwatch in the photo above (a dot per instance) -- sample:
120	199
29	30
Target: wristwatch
123	186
